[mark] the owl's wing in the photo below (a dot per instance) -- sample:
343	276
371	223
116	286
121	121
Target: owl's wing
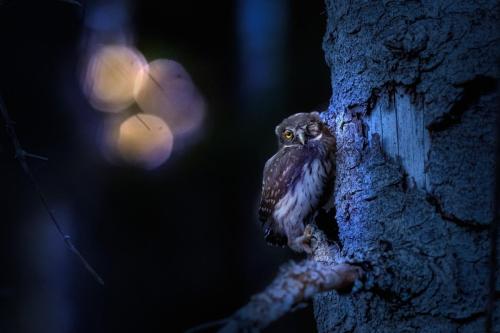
280	174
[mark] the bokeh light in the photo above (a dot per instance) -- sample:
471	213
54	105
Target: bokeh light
168	91
145	141
112	75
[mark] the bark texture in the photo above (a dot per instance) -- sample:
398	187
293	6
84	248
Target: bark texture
415	92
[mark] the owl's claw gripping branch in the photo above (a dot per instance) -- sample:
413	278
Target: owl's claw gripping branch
304	241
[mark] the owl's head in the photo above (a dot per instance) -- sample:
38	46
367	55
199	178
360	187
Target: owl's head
300	129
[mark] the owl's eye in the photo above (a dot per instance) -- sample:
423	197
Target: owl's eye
288	134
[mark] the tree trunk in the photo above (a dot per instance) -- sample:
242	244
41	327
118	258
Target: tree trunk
414	111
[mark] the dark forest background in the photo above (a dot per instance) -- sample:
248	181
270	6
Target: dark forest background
178	245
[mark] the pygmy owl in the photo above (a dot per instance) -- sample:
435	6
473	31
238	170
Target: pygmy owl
297	180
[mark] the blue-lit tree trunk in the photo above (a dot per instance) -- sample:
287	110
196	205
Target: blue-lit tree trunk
413	107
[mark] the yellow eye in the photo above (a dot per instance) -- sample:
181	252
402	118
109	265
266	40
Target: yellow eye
288	135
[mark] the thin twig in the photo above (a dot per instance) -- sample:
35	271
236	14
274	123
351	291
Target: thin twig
20	155
72	2
143	122
204	326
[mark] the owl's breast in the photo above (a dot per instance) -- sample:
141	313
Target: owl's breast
295	208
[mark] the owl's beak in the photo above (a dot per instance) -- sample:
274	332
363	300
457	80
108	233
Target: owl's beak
302	138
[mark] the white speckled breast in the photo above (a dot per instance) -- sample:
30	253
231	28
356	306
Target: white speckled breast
303	199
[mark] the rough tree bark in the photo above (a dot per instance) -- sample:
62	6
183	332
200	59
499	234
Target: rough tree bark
413	107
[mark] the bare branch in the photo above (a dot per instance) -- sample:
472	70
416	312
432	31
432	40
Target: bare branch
295	285
20	155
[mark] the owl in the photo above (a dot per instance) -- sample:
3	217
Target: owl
298	180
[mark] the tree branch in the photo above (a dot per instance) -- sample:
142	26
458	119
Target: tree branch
21	155
295	284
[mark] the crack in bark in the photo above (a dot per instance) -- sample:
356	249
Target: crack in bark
472	91
471	224
473	317
390	88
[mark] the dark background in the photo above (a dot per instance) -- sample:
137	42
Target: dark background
176	246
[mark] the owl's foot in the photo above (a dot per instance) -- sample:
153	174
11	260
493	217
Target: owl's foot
308	233
303	243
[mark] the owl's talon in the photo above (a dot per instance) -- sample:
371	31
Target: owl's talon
303	243
306	239
309	231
